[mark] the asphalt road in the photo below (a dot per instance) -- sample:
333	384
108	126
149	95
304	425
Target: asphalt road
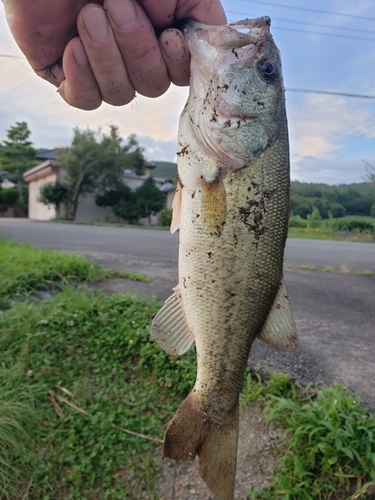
334	313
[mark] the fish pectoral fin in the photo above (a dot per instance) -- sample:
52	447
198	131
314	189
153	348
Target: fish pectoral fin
176	209
169	327
279	330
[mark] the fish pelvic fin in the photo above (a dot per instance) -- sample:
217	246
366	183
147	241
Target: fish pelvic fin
169	327
279	329
191	432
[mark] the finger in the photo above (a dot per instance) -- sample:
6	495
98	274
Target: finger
176	56
163	14
42	30
139	47
104	55
79	89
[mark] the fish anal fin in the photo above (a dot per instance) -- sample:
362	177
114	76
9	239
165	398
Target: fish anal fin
176	208
192	433
279	329
169	327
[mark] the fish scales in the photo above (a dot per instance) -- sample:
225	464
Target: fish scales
233	275
231	207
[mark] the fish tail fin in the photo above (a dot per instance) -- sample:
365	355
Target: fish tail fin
192	433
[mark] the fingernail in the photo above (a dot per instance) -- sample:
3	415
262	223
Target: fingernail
173	45
122	13
79	55
96	25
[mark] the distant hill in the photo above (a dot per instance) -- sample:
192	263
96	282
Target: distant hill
340	200
165	169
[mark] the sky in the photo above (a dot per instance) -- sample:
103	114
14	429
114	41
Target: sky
331	49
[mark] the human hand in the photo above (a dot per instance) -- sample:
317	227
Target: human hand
107	51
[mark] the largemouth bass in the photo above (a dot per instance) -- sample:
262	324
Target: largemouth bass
231	207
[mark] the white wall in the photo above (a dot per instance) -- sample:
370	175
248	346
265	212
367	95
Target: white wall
38	211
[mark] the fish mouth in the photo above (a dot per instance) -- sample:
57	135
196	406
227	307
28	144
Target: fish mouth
231	36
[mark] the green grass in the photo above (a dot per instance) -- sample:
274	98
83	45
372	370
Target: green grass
76	368
99	348
328	448
366	272
350	227
24	268
306	267
328	269
313	234
344	269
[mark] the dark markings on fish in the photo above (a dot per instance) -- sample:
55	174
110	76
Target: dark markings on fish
238	123
268	193
252	213
183	151
193	194
255	186
235	239
209	254
227	123
214	116
179	181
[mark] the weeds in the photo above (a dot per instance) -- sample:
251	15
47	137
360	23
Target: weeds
24	268
344	269
99	348
329	447
307	267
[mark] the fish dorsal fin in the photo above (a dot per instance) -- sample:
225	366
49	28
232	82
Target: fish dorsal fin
279	330
169	327
176	209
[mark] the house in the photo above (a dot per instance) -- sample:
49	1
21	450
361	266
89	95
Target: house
5	183
49	171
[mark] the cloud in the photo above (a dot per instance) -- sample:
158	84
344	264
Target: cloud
158	149
320	125
337	170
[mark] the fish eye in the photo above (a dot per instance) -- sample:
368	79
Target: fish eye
269	70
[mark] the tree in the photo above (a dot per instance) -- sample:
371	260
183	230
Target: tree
131	206
113	197
17	154
8	198
95	163
149	198
54	194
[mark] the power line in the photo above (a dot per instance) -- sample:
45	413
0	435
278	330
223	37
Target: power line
306	91
323	33
309	24
13	57
312	10
327	92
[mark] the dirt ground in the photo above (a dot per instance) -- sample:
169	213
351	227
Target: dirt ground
258	450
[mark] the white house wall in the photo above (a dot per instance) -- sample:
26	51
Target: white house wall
37	210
